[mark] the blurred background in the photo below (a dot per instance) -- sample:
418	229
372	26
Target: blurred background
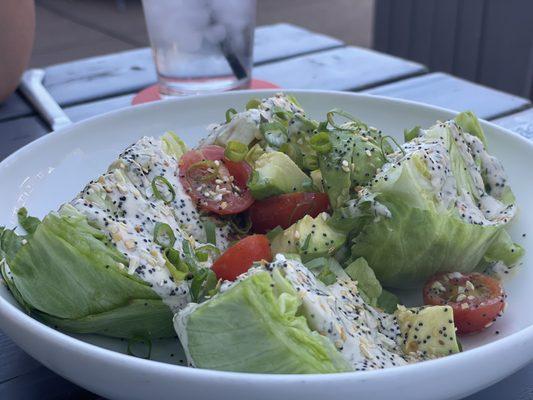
486	41
71	29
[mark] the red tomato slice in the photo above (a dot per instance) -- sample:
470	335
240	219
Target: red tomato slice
215	183
286	209
239	258
477	299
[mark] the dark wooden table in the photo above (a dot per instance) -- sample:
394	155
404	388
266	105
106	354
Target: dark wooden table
286	55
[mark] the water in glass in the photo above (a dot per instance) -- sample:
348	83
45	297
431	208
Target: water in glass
201	46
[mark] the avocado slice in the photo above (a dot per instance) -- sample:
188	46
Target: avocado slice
367	158
429	330
309	237
275	173
354	161
336	168
300	130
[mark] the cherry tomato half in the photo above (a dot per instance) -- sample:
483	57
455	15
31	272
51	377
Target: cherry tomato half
215	183
286	209
239	258
477	299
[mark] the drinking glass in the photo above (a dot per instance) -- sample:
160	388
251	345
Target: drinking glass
201	46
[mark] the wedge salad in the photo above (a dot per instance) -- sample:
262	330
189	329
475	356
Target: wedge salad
277	244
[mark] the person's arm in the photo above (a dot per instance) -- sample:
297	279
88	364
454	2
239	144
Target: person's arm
17	27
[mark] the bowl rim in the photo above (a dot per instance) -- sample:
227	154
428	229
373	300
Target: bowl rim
25	321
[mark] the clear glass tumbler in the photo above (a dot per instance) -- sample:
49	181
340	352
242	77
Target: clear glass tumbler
201	46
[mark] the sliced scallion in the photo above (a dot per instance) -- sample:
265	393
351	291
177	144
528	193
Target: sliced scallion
253	154
321	143
235	151
336	111
310	162
253	103
203	252
241	223
163	235
317	263
141	341
281	113
274	232
210	231
204	283
274	133
293	100
394	141
157	192
230	113
207	166
306	243
410	134
178	269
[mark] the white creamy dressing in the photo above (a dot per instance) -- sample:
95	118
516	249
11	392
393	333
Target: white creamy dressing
499	270
123	205
145	160
279	100
352	207
128	219
364	336
473	205
244	126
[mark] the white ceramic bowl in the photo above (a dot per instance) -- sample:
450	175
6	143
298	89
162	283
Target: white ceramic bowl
51	170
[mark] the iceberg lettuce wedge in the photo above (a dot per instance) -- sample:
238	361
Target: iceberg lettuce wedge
66	273
254	327
440	204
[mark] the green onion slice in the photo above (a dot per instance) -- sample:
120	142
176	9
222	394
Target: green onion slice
205	165
274	232
410	134
293	100
274	133
203	252
204	283
253	154
210	231
281	113
321	143
241	223
163	235
140	341
336	111
383	138
235	151
306	243
157	193
253	103
230	113
178	269
310	162
190	257
317	263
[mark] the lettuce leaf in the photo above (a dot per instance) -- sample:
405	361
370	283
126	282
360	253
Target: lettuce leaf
367	283
441	204
173	145
67	274
254	327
